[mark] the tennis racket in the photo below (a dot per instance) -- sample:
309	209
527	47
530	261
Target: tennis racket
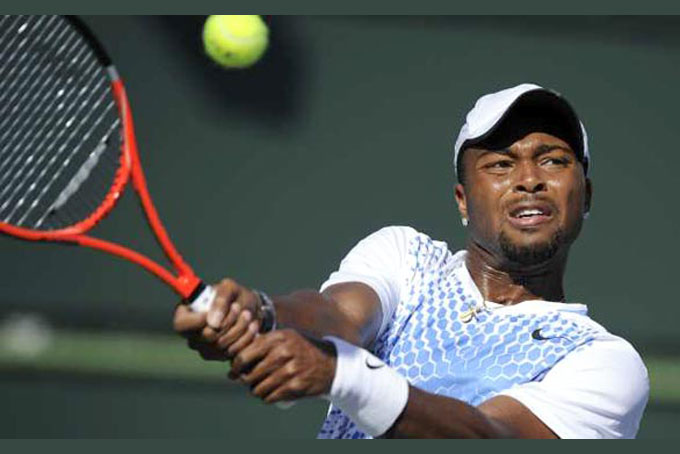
67	145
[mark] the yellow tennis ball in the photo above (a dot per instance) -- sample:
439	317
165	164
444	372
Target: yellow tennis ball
235	41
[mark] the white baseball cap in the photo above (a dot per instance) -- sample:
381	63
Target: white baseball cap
490	111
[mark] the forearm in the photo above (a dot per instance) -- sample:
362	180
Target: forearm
431	416
318	315
381	403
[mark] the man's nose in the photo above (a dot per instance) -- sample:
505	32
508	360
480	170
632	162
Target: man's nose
529	179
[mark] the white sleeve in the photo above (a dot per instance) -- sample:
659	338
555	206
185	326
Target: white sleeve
597	391
378	261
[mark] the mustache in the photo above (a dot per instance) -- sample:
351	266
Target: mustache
531	200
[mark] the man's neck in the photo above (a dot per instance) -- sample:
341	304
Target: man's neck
507	283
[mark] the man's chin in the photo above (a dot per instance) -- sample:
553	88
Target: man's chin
529	252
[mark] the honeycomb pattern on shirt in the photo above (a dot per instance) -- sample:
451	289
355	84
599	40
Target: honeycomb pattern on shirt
431	343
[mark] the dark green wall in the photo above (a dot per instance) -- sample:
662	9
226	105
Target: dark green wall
271	175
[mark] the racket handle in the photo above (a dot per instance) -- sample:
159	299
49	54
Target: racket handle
203	300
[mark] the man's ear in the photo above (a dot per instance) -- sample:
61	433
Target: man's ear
589	195
461	200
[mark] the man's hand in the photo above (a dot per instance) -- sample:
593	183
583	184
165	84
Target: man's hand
231	323
284	365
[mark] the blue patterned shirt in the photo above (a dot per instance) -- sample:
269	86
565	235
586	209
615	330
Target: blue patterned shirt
441	335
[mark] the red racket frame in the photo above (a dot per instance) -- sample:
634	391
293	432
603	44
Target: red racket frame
185	282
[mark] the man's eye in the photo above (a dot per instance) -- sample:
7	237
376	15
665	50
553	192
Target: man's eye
500	165
556	161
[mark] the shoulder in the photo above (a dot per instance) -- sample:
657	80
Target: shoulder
609	381
608	360
386	244
404	240
425	254
394	233
610	351
612	360
398	253
599	390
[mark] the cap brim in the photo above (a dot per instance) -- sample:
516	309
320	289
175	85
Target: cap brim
540	101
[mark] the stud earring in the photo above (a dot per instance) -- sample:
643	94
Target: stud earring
586	215
464	221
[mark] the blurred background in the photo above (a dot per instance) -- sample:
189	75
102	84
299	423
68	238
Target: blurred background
270	175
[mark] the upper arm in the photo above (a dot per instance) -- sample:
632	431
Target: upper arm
514	420
359	306
367	285
597	391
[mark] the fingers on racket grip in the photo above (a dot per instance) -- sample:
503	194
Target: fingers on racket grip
202	303
285	404
204	300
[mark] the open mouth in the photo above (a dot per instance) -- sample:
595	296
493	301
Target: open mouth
528	215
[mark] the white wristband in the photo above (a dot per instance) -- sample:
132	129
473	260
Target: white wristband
368	391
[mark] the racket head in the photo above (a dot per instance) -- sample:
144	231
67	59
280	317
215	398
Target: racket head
67	144
66	147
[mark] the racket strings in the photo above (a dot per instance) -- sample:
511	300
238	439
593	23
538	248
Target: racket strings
17	41
56	160
25	132
24	167
38	96
59	128
27	163
41	127
20	69
82	175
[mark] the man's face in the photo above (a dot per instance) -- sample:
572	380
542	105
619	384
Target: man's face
525	203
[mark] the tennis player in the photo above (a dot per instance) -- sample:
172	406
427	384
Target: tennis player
409	339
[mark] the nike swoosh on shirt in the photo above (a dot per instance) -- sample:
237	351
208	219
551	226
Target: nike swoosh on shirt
536	334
